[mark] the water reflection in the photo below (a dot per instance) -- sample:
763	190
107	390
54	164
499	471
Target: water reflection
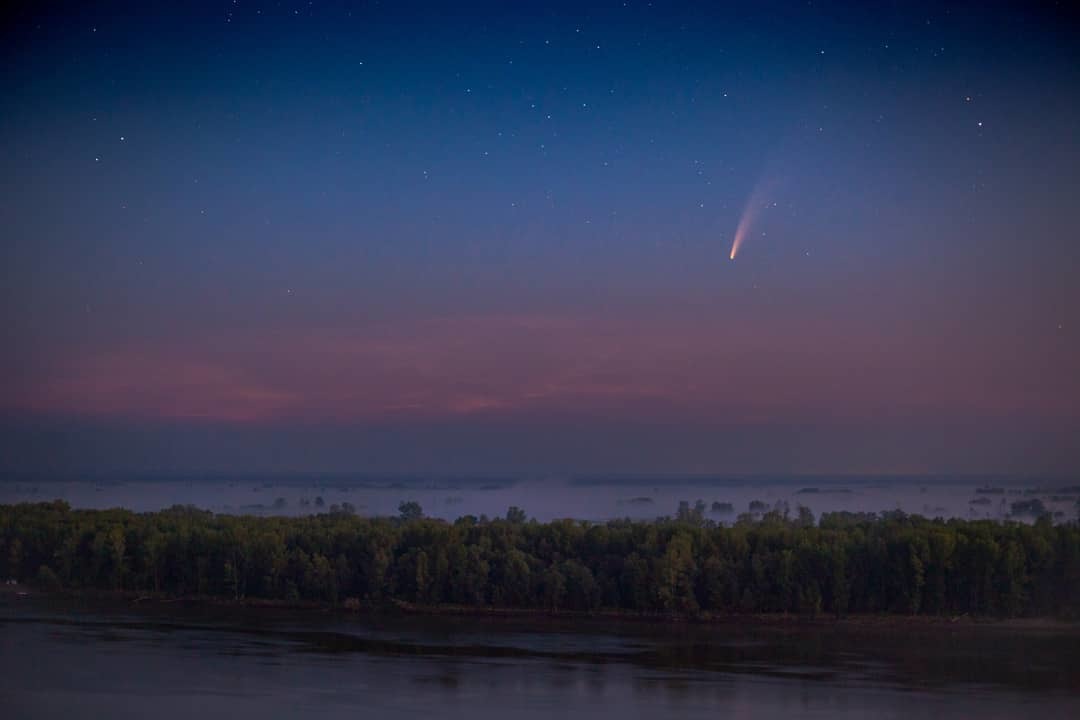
100	664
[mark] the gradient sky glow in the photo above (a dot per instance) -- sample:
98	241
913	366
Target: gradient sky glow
495	237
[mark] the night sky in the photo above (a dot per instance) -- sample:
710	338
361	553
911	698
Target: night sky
424	237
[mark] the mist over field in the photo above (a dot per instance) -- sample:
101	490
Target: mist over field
595	498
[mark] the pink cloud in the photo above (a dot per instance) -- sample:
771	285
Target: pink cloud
677	365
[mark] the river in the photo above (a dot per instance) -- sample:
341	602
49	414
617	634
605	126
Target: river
65	662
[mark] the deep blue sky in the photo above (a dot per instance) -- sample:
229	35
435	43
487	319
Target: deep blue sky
496	237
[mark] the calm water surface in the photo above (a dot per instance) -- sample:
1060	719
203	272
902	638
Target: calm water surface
182	664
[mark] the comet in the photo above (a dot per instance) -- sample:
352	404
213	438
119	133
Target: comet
750	214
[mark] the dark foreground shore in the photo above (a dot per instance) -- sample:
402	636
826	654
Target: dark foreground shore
16	595
65	655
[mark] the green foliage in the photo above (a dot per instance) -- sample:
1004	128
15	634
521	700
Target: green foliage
848	563
47	579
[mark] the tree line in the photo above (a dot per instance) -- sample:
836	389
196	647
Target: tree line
688	565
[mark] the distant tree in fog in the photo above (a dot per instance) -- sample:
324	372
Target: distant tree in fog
691	515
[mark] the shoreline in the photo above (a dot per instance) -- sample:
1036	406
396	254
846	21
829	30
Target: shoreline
19	594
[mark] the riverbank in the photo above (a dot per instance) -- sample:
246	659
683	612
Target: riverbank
759	619
96	601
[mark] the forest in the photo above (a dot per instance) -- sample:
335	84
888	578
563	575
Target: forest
687	565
